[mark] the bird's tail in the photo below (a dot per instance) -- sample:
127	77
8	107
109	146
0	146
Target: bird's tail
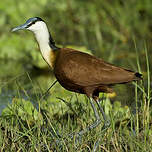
138	76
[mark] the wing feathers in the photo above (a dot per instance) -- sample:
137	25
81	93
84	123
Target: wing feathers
86	70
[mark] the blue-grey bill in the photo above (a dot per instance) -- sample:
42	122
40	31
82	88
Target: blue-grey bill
21	27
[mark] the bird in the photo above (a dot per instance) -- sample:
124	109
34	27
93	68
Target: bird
77	71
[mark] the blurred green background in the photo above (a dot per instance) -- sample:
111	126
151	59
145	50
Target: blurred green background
116	30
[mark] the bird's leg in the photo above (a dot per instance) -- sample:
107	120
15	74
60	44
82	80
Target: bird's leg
95	124
105	126
47	91
106	121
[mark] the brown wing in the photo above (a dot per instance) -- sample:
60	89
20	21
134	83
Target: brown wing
86	70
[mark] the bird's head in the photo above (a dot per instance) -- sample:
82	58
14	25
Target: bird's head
33	24
42	34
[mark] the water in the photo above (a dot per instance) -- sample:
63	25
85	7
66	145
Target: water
5	99
21	80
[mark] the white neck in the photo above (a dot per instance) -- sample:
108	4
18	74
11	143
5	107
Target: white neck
42	36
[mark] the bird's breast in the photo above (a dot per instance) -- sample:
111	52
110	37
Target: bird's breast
63	71
49	57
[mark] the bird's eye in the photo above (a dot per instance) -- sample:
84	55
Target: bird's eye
31	24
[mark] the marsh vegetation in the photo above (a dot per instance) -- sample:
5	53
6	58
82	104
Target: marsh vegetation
118	31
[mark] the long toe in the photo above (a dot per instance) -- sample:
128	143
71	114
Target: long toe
106	125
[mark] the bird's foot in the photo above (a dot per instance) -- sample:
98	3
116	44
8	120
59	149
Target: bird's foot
106	125
76	137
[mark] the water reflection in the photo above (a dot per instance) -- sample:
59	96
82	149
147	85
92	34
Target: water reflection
21	80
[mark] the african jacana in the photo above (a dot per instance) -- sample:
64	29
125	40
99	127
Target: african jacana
77	71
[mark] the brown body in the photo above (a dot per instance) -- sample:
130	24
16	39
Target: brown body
83	73
77	71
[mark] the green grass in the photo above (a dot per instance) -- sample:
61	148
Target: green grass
23	128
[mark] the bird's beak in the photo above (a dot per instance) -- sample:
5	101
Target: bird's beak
20	27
